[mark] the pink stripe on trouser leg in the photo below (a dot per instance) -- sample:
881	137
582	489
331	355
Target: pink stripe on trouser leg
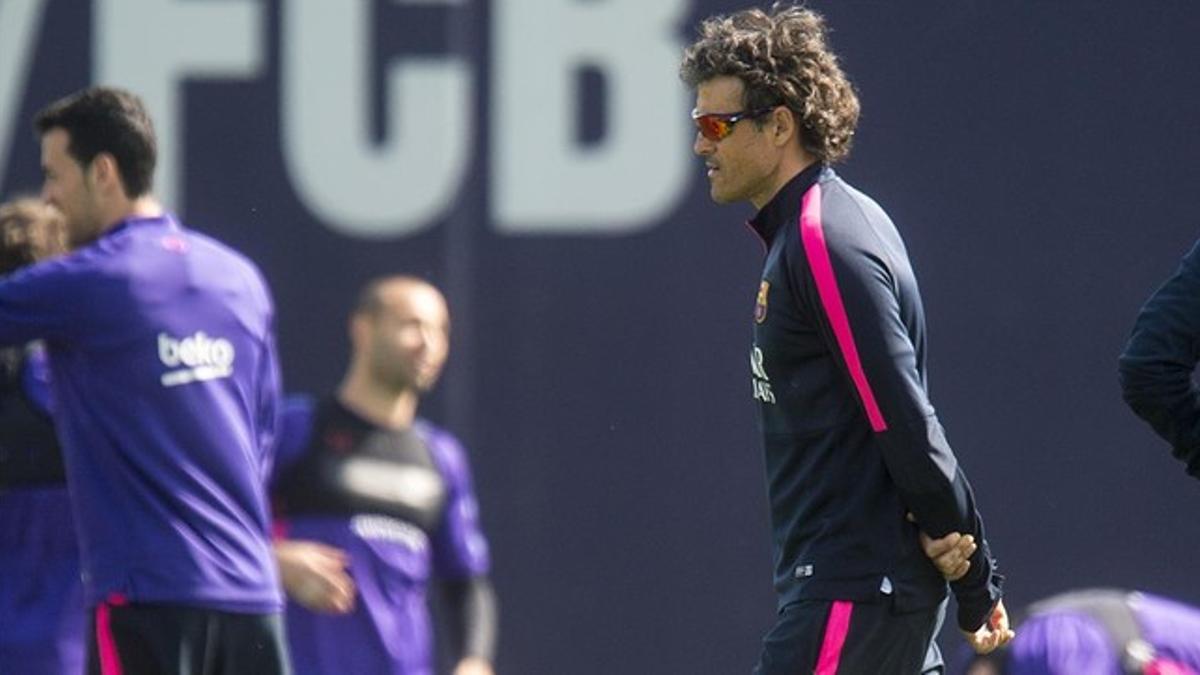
106	645
837	626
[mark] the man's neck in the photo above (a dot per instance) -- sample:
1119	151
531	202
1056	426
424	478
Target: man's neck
382	407
787	172
141	207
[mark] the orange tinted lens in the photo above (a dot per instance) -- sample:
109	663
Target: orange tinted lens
712	127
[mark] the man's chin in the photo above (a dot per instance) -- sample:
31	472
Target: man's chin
721	197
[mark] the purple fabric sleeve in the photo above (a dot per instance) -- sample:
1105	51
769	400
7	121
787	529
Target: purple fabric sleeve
1173	628
35	378
1062	642
36	301
269	403
295	429
459	547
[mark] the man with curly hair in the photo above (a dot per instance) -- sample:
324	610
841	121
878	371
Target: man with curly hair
855	455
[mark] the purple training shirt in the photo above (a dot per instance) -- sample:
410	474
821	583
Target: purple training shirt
392	558
165	376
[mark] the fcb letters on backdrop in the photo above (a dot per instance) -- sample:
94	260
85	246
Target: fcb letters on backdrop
221	40
542	177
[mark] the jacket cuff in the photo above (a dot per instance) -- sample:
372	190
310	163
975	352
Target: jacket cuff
975	604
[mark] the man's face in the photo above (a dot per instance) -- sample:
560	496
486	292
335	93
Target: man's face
741	166
410	338
68	187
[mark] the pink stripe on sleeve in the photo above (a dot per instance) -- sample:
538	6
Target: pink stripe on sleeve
106	645
812	233
837	626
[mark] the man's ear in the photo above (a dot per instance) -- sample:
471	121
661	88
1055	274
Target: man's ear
104	172
783	121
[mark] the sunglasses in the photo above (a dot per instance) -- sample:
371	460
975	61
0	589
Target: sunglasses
715	126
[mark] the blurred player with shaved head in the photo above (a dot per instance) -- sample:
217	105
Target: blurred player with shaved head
373	503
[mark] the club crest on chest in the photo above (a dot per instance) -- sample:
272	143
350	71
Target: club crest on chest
760	305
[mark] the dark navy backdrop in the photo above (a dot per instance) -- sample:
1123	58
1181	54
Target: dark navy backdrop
1038	157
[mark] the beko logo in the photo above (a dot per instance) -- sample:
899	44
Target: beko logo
194	359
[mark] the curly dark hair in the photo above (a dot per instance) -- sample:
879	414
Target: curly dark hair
782	57
30	230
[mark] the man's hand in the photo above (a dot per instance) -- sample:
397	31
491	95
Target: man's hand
315	575
473	665
951	554
993	634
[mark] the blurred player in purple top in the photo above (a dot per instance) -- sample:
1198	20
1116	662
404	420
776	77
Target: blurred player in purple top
165	383
1101	632
372	503
41	600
